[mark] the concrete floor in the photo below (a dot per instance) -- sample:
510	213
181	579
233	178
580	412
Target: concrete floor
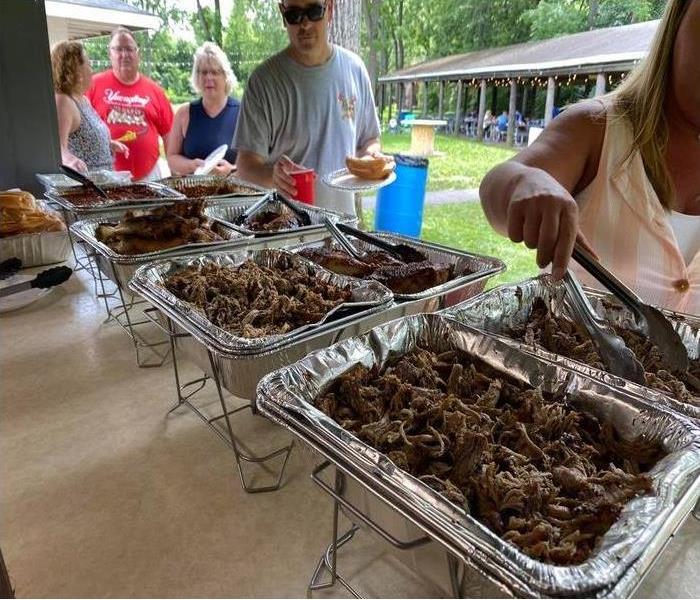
104	494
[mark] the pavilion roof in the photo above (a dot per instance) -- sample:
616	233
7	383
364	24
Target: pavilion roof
612	49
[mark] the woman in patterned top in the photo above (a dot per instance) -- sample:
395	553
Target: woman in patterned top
84	138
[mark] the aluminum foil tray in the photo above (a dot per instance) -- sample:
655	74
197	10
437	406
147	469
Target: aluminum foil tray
627	550
229	212
120	268
36	249
508	306
226	187
160	195
59	181
367	297
468	268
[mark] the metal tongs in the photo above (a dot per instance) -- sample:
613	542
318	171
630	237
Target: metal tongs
650	320
342	240
78	176
403	252
252	209
617	357
46	279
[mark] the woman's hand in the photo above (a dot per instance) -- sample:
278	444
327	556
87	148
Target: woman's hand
223	168
543	214
119	148
75	163
281	179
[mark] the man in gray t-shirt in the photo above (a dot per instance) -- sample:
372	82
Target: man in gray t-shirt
309	106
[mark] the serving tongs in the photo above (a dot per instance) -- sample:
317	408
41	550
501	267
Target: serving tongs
46	279
339	237
302	215
617	357
403	252
252	209
9	267
650	320
79	177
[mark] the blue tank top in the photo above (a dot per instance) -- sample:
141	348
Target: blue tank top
205	134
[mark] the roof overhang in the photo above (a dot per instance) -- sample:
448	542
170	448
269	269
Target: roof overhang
89	21
590	64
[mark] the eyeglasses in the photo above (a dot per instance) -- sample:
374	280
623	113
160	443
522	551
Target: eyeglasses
124	49
295	14
212	72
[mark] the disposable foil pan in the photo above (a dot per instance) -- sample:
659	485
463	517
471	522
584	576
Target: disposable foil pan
626	550
467	267
224	187
120	268
159	195
509	306
36	249
149	282
240	374
60	181
229	212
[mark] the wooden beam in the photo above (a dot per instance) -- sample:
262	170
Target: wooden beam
441	100
482	110
458	112
425	99
512	101
549	103
391	100
600	84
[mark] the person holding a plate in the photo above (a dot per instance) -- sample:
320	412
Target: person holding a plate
203	125
307	107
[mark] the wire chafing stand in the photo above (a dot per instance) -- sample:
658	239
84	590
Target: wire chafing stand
235	372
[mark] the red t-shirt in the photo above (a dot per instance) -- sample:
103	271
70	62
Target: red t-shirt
136	115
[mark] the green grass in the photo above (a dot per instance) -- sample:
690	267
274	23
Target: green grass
464	226
462	164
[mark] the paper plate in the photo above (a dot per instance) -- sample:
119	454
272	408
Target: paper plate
212	160
342	179
21	299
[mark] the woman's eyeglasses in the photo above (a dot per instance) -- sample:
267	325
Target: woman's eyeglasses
212	72
295	14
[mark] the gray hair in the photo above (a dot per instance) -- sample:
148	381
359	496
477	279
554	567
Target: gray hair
210	52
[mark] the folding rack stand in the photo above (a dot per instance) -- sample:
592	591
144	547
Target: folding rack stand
185	391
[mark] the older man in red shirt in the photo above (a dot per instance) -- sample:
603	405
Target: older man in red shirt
134	107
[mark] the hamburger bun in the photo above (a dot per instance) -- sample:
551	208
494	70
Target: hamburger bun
370	167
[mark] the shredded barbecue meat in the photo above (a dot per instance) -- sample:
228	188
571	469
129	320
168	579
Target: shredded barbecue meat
83	196
563	336
253	301
157	229
544	476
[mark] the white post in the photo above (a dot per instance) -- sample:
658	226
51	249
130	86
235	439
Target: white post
458	111
441	100
600	84
549	103
482	110
425	100
510	135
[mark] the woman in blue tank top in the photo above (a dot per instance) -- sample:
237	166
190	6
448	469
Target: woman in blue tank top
205	124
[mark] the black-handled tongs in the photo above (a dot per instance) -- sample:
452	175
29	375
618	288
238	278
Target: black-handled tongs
650	320
617	357
87	182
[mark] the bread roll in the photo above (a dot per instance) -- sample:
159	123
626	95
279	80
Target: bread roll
370	167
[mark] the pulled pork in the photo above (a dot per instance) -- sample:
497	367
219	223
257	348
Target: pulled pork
563	336
254	301
542	475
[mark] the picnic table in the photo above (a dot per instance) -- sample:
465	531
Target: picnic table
423	135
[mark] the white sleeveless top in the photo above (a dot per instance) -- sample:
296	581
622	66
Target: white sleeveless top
686	228
622	218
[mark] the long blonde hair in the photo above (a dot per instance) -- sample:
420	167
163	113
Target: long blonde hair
640	98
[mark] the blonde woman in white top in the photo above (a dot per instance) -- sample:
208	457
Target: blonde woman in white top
622	173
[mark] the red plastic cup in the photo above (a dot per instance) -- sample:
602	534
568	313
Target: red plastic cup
305	181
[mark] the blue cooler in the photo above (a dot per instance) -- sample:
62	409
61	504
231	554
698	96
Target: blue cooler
400	204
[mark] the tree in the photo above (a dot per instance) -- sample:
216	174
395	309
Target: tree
210	21
345	26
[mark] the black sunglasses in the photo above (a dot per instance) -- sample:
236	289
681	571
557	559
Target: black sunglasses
295	15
